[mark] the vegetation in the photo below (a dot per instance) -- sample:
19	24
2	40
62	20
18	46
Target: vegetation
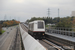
9	23
46	19
0	29
66	22
73	23
46	25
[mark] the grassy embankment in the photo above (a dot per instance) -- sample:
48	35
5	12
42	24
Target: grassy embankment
2	32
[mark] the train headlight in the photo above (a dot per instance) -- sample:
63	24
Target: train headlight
43	34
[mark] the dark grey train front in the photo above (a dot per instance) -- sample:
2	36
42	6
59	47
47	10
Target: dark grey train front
37	29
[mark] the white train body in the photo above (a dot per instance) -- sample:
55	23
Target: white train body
37	28
38	25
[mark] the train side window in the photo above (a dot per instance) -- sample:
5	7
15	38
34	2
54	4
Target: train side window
29	26
32	26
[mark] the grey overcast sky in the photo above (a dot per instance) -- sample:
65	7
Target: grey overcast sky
25	9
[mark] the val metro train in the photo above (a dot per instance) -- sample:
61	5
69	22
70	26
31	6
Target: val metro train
37	29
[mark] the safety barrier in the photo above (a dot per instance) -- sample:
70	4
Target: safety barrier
29	42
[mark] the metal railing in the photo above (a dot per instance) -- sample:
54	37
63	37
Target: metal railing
62	31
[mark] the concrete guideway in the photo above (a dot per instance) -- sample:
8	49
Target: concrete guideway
29	42
7	38
49	45
16	42
62	37
65	42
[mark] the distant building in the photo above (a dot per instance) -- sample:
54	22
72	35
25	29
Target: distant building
50	24
73	13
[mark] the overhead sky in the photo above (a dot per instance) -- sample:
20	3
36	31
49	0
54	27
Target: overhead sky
25	9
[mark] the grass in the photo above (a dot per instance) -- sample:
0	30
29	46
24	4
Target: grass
2	32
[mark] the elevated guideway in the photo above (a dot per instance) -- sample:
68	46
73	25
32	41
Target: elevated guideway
29	42
68	38
45	43
61	37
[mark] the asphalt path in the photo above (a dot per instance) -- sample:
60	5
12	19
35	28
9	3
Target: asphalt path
6	38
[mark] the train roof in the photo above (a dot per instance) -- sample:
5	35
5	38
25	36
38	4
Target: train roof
36	21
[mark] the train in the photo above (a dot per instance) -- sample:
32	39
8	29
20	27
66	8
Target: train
37	29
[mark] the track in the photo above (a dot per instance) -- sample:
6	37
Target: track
53	44
47	44
24	28
64	46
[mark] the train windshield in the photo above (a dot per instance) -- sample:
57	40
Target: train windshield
40	25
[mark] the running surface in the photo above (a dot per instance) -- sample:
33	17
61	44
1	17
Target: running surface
7	37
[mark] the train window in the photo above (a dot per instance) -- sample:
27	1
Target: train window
29	26
32	26
40	25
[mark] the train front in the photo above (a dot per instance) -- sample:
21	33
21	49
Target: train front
39	30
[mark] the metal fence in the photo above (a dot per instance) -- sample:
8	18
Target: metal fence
62	31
